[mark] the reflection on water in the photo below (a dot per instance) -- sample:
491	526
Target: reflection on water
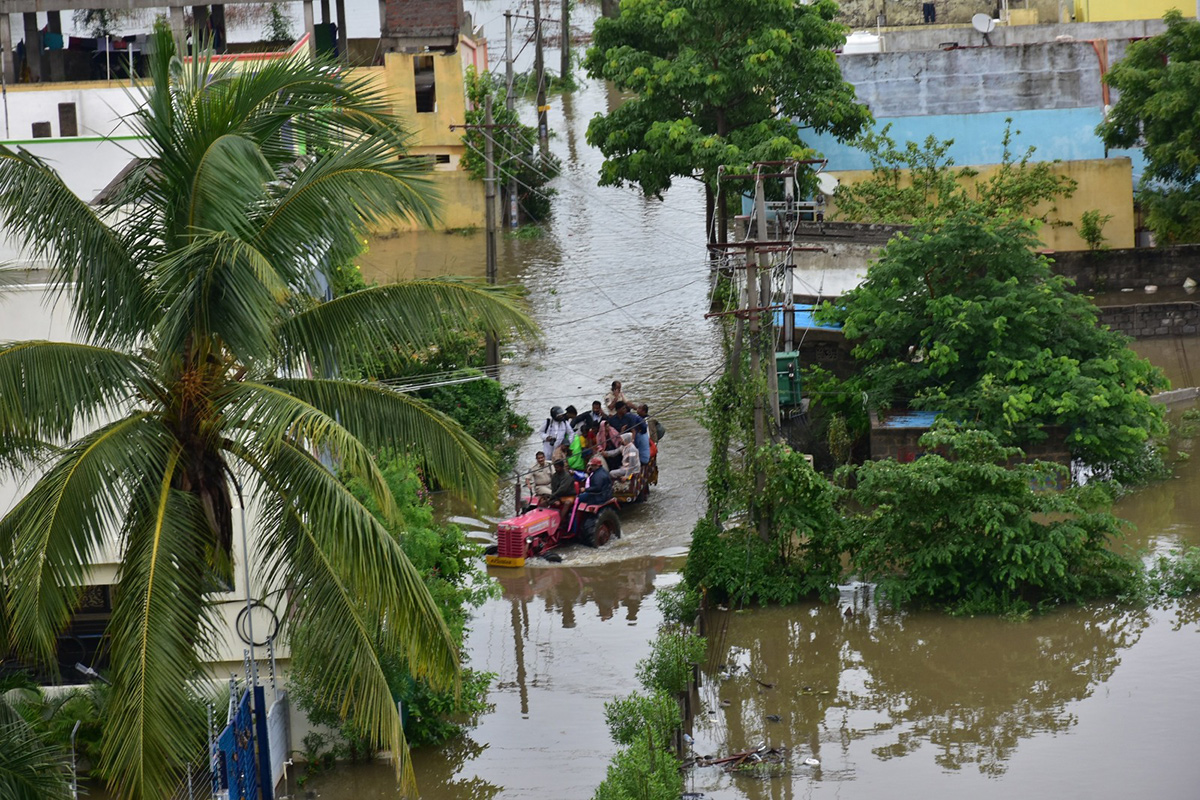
956	704
1177	356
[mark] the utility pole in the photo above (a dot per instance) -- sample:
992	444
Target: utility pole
513	220
489	210
756	346
565	68
489	215
539	67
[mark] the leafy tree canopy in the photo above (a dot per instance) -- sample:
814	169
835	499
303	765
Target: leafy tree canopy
968	320
716	82
1159	108
920	183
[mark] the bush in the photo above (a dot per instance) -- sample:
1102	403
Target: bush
668	668
802	559
636	716
965	528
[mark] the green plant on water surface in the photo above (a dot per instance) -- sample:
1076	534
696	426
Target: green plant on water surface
516	154
966	319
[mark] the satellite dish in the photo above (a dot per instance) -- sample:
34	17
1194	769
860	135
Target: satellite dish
983	23
826	184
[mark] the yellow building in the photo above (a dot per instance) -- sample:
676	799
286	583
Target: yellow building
429	92
1103	184
1119	10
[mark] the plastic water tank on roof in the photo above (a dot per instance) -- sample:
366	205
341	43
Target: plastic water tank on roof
862	42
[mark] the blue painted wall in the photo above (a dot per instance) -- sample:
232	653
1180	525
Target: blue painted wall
1059	134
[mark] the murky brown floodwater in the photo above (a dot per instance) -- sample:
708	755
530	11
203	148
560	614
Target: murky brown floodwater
1094	702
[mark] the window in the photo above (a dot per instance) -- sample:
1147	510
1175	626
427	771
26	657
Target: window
68	124
424	84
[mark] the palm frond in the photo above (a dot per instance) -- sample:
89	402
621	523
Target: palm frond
220	287
48	389
159	616
29	768
92	264
269	418
53	532
229	180
402	319
361	183
354	588
382	417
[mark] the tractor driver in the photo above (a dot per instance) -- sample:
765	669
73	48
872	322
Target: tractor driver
562	484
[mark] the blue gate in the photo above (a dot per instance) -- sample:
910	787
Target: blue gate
238	762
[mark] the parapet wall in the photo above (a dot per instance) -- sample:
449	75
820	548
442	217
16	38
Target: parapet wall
1153	320
1100	271
980	80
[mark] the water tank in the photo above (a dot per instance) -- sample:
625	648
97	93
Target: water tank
862	42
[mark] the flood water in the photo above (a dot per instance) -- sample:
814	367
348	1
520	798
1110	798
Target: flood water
1093	702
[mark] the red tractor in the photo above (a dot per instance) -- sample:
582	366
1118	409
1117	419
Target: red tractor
540	529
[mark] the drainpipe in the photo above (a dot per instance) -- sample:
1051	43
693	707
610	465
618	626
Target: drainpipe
1101	48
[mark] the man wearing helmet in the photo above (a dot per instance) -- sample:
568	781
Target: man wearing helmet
556	432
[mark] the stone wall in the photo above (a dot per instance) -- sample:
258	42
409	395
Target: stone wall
1096	271
979	80
1153	320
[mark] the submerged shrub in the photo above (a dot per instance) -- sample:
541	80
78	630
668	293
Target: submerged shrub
969	528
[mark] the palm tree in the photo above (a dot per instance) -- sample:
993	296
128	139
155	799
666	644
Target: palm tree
195	303
30	769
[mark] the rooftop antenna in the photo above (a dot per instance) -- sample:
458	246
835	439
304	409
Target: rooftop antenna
985	25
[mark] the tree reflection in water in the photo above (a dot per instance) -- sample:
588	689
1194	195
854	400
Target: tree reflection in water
969	689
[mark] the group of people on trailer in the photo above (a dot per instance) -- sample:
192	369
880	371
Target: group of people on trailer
594	449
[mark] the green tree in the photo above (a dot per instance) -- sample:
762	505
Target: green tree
919	183
965	528
1157	109
716	82
515	149
968	320
198	314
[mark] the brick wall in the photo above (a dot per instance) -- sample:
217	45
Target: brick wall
422	18
1151	320
1096	271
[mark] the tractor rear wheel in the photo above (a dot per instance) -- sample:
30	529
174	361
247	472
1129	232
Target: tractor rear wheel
599	529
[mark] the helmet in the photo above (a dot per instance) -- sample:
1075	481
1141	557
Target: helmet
557	412
595	461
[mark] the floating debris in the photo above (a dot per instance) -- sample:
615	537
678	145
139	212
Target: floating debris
811	762
773	718
762	761
726	703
